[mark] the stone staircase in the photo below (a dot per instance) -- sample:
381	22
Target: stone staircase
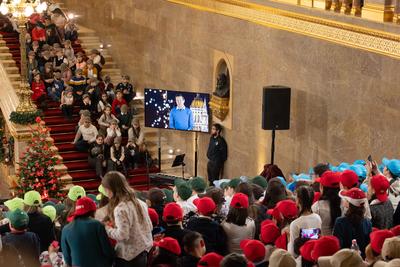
9	63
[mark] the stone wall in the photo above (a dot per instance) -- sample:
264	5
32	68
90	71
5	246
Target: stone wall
345	101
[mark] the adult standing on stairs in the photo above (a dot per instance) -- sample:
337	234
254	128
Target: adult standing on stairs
217	153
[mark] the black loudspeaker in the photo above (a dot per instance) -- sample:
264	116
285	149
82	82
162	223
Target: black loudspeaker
276	108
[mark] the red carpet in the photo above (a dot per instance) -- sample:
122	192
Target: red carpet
63	133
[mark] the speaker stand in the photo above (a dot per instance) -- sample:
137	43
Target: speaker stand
273	147
195	154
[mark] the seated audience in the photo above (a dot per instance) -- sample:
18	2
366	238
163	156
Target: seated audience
96	156
117	103
117	157
85	135
125	119
127	89
67	103
105	120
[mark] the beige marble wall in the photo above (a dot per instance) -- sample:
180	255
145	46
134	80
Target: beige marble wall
345	101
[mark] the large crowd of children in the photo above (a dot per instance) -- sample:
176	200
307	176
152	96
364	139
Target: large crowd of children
107	113
336	216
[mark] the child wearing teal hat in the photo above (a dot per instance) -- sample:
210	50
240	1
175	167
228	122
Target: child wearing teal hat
102	200
27	242
182	192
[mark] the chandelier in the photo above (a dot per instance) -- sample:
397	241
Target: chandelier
21	9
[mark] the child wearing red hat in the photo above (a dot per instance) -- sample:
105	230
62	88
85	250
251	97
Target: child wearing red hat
349	180
84	241
374	249
381	207
268	235
238	225
210	260
213	234
173	216
328	207
254	251
167	253
353	225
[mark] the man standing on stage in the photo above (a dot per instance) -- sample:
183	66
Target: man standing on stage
217	153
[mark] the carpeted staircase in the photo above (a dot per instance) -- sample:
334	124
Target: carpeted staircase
63	132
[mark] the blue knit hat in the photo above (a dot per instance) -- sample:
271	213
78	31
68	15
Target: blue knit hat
393	165
359	169
359	161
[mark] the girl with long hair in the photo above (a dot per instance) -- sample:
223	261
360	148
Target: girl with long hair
329	205
238	224
129	223
307	219
353	225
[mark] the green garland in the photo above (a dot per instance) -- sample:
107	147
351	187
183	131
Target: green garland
24	118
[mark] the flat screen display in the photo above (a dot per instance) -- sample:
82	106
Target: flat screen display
176	110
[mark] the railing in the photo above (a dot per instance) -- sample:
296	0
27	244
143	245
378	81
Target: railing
377	10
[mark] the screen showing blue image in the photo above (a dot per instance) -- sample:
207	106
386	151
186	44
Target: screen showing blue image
184	111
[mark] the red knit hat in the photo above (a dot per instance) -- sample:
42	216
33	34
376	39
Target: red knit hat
330	179
378	238
307	249
380	184
269	233
325	246
349	179
396	230
253	250
84	205
317	196
210	260
284	209
355	196
266	222
170	244
205	205
153	216
281	241
172	212
240	200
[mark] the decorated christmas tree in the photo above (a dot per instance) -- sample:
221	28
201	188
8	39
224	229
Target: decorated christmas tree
37	165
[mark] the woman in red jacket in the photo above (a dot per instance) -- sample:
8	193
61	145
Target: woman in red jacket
39	91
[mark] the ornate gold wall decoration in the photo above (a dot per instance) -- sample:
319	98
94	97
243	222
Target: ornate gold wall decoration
380	42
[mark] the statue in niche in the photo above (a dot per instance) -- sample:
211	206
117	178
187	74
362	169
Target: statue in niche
222	89
220	98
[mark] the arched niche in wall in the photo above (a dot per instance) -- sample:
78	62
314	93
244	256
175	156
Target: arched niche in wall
222	93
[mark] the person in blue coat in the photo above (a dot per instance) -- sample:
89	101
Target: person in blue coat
84	241
181	117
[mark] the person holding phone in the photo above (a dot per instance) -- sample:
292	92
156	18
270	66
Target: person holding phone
307	219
